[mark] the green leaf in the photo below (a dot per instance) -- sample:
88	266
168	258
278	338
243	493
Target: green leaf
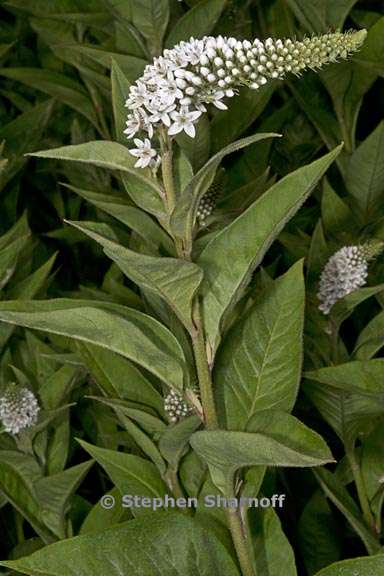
371	53
120	89
34	283
313	100
273	439
53	493
117	376
156	545
341	498
131	66
373	566
120	208
199	21
134	335
347	84
151	18
99	518
8	258
271	546
197	149
23	135
55	389
184	215
174	280
372	467
321	15
113	156
318	534
349	414
363	376
336	215
175	439
365	175
57	85
345	306
232	255
102	153
131	474
242	111
370	339
19	473
258	366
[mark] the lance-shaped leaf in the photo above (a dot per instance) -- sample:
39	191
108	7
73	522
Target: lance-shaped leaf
259	365
113	156
341	498
57	85
197	22
232	255
318	16
318	534
156	545
365	175
18	475
53	493
370	339
118	377
271	546
122	209
363	376
366	566
184	215
273	438
346	412
174	280
131	474
132	334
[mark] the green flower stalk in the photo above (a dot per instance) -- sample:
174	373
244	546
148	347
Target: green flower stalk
173	92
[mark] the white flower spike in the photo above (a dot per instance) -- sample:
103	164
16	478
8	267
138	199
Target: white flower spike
175	407
345	272
19	409
173	90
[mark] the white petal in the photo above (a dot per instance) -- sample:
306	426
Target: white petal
175	129
135	152
220	105
190	130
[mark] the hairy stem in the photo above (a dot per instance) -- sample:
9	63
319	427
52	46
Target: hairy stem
167	171
240	541
203	371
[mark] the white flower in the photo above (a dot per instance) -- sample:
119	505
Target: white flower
184	120
345	271
144	152
207	70
18	409
175	407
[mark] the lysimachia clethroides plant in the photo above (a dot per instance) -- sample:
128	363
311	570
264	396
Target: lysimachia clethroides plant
203	367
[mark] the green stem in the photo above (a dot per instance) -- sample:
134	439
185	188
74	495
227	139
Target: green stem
240	541
334	342
203	371
167	171
19	522
360	487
